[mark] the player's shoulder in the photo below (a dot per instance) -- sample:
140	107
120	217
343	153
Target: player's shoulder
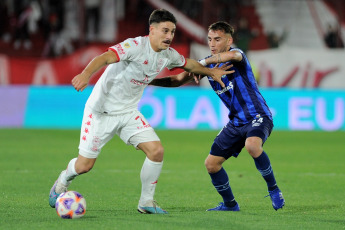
244	56
236	49
136	42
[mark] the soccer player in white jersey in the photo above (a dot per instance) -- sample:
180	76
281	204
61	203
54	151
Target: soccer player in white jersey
112	107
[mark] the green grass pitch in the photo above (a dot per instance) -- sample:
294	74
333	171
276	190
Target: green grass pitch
309	168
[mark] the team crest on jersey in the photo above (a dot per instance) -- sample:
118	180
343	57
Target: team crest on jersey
127	45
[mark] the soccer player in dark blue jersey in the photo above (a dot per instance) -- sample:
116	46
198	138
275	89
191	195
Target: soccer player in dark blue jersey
250	120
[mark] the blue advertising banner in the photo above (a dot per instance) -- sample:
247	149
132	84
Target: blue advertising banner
173	108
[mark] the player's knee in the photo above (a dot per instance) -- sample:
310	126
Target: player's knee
212	166
253	148
157	154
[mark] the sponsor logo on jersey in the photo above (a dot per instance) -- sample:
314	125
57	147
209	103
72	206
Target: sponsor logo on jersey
229	87
146	62
136	42
139	82
159	65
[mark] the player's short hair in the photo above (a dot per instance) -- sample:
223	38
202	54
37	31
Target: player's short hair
222	26
161	15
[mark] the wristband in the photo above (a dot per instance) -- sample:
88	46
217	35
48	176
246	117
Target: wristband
203	62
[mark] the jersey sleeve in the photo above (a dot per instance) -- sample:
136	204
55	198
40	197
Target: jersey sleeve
176	60
126	50
244	57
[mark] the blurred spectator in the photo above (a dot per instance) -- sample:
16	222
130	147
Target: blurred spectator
333	38
4	22
92	18
27	14
57	41
275	40
243	35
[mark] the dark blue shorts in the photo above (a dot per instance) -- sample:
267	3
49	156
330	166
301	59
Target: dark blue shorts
231	139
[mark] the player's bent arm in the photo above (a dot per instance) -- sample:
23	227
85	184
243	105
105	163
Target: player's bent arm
195	67
100	61
81	80
173	80
216	73
224	57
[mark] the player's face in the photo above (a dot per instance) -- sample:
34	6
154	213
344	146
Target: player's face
218	41
161	35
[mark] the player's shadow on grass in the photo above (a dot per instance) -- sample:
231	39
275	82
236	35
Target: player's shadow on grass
304	208
184	209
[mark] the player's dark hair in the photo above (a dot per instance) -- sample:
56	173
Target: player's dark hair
222	26
161	15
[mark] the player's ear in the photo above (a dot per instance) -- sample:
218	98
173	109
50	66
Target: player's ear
230	41
152	27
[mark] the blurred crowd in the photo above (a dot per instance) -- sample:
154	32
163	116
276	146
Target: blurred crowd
333	37
234	12
57	27
31	24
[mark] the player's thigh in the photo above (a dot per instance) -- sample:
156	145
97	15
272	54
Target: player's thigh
229	142
137	130
259	127
96	130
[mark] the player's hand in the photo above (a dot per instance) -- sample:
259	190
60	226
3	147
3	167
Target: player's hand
196	77
80	81
218	72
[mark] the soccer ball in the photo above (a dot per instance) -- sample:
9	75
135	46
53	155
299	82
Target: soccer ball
70	205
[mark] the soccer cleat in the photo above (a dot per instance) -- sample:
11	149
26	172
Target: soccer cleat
277	198
53	195
222	207
151	207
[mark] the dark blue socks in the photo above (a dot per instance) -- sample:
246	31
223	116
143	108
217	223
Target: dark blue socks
263	165
220	181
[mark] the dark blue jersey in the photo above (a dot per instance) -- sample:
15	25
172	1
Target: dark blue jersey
241	94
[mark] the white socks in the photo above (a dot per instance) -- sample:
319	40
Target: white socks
66	177
149	175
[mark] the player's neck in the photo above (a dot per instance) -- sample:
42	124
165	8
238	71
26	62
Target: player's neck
153	46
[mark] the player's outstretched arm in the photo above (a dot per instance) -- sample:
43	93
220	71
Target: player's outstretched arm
173	80
223	57
216	73
81	81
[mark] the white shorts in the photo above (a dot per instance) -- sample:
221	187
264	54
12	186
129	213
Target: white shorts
99	128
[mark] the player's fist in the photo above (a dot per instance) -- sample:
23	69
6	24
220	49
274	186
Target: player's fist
80	81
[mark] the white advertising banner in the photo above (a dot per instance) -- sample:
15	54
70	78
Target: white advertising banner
293	68
300	68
